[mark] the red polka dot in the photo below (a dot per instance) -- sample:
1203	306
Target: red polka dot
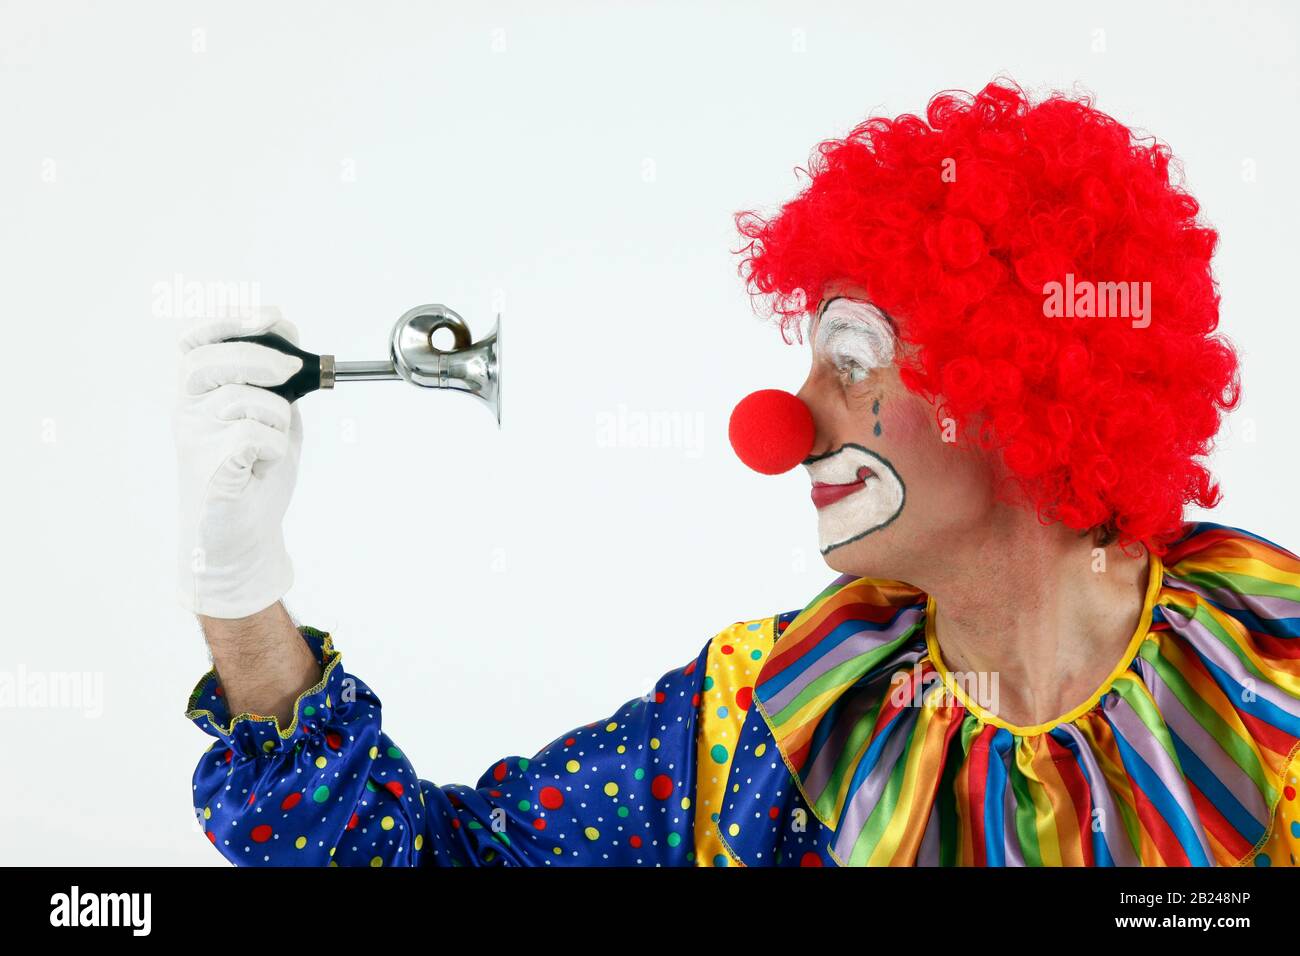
230	754
334	741
494	793
250	799
291	801
219	691
810	859
395	788
728	649
213	837
660	697
261	833
352	823
774	812
550	798
1289	791
455	823
744	697
569	741
661	787
689	669
539	824
499	771
695	701
635	841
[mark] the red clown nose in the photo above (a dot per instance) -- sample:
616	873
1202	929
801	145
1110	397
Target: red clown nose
771	431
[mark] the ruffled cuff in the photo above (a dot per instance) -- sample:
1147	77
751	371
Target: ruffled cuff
253	734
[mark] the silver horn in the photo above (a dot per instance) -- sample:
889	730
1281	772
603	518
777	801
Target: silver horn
470	367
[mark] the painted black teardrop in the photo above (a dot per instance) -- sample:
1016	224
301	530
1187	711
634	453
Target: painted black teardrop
306	379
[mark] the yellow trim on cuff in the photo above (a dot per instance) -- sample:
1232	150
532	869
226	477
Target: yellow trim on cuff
330	662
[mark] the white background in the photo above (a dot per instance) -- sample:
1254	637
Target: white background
577	168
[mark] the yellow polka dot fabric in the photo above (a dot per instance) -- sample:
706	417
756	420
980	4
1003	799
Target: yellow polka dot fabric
735	656
1282	845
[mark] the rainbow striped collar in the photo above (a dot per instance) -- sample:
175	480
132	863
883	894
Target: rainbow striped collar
1181	758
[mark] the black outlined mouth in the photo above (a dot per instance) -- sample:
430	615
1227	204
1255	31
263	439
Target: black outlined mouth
855	469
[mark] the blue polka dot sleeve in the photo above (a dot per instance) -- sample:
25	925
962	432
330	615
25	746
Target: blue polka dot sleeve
332	789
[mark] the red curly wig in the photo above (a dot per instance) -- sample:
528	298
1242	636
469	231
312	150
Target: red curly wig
954	224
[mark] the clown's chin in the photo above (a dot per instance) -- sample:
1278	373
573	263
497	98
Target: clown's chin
860	514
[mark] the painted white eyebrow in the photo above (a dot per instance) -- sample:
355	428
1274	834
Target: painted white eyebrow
861	308
826	304
866	321
821	310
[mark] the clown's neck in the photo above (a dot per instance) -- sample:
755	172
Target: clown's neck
1044	609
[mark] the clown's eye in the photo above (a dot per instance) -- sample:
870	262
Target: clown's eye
850	372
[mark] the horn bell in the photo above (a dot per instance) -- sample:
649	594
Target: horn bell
470	367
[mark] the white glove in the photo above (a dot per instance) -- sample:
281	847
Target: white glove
237	449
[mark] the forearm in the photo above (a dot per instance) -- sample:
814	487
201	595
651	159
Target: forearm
262	661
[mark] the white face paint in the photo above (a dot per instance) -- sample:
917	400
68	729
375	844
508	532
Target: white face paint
855	490
851	332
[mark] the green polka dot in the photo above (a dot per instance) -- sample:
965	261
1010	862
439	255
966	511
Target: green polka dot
394	753
708	683
321	794
309	710
523	763
525	805
639	773
719	753
623	812
674	839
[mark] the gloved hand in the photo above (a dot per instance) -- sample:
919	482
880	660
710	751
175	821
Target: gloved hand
237	448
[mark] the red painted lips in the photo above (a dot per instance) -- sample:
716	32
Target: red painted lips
825	494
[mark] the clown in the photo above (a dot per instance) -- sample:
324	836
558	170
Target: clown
1029	657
